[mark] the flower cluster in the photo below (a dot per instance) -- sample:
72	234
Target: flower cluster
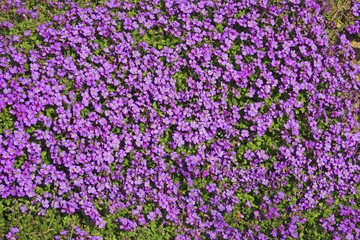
175	111
355	9
18	8
12	234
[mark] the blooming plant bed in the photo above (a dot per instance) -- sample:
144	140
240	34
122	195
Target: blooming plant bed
178	119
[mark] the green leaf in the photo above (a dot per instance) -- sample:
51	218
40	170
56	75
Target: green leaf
19	161
84	112
43	156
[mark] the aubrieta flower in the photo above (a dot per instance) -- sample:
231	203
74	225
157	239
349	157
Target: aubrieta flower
238	98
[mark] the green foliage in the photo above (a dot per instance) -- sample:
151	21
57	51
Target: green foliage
167	137
85	112
50	112
243	218
34	226
6	120
180	78
19	161
31	225
45	157
156	107
68	85
156	38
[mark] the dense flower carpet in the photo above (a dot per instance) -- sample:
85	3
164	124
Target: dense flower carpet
176	119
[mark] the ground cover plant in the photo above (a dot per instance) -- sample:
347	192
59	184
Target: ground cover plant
179	120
